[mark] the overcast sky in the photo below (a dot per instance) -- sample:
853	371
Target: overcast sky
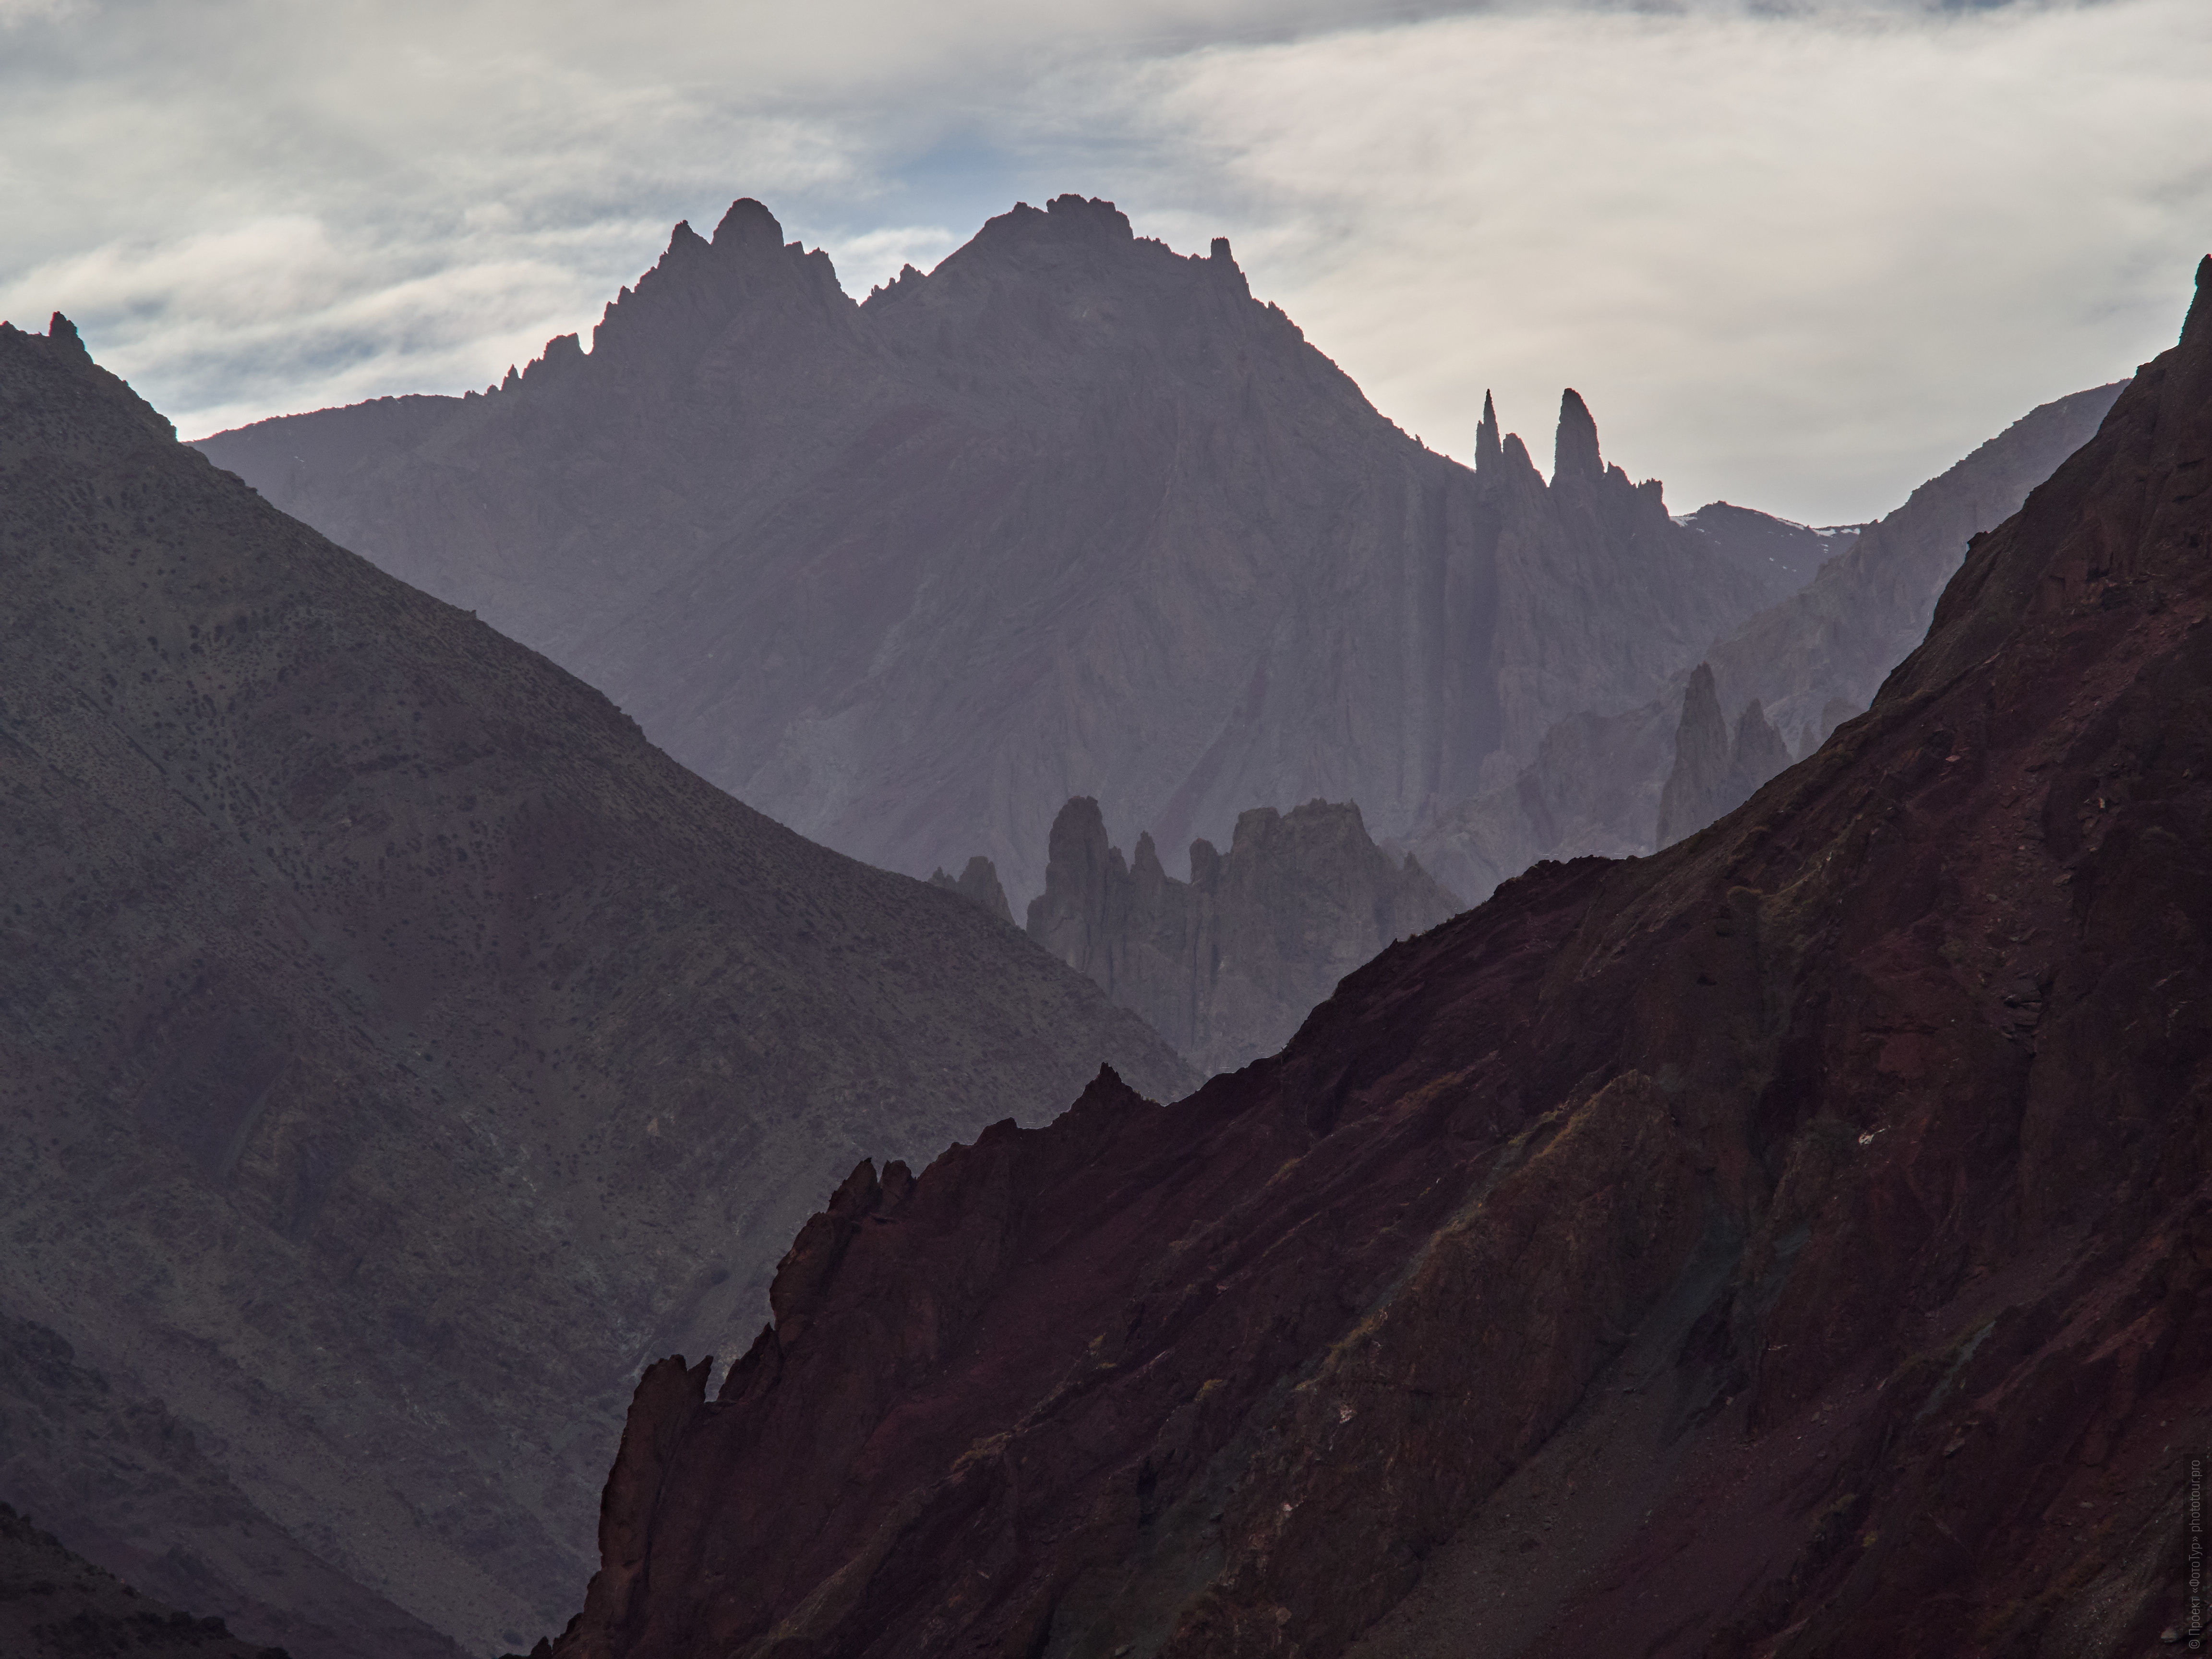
1795	255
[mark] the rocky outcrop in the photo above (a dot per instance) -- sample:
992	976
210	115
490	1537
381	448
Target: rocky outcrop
1794	1243
1071	514
1227	965
1714	774
400	1048
1812	662
979	885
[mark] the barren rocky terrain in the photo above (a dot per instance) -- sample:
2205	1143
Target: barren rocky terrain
1792	1243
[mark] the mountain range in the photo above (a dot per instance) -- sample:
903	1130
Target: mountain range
1071	514
1791	1244
403	1049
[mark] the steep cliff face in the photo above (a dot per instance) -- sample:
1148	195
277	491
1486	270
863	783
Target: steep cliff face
1812	661
1794	1244
1226	965
398	1048
1069	514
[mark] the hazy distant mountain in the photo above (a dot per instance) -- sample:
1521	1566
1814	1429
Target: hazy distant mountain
1071	514
399	1048
1228	965
1811	661
1786	554
1717	767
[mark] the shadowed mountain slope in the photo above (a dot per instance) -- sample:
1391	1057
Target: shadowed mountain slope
148	1505
1071	514
1811	660
1793	1243
55	1604
399	1049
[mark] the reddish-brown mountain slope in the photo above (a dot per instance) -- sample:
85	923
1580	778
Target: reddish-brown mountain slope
1796	1243
396	1048
1071	514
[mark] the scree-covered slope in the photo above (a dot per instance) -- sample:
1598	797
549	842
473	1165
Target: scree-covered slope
1792	1243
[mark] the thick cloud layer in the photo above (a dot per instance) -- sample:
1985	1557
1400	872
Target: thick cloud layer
1799	255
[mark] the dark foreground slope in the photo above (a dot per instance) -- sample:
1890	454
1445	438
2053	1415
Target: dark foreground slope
399	1049
1596	783
1794	1243
1070	514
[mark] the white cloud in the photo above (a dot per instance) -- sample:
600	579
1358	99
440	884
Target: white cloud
1798	260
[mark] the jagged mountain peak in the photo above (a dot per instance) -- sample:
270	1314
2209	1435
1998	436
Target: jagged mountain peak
1064	445
699	288
749	224
1066	217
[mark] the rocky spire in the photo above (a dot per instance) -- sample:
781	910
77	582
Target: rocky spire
1575	454
1701	757
1487	456
1712	775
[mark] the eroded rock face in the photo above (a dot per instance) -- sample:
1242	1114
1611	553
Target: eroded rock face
1796	1243
1812	661
1071	514
1226	965
397	1048
1714	773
